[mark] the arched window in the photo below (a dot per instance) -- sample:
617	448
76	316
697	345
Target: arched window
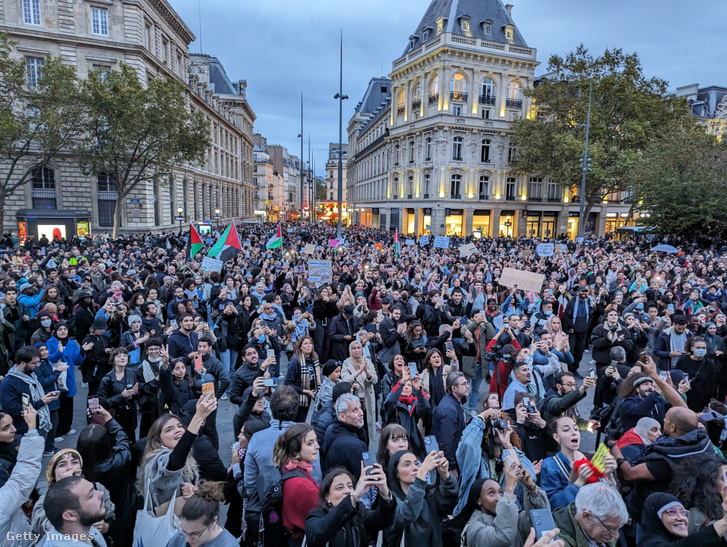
514	95
401	103
411	151
410	187
429	148
487	92
416	100
427	181
44	188
457	144
458	88
396	155
108	191
434	90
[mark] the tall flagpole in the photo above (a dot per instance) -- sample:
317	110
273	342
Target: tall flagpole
341	97
302	197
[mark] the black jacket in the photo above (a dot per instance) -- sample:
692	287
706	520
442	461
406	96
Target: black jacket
344	446
321	420
340	328
242	379
398	413
348	526
214	367
602	344
448	423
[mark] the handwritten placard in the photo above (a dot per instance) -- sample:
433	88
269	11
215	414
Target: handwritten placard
525	281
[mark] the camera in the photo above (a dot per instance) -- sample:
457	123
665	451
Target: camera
495	355
499	423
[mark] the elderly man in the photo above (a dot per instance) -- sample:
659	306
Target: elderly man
595	518
345	440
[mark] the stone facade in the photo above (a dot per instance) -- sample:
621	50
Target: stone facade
149	36
429	147
332	173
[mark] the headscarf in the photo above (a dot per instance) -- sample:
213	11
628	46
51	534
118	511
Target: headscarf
654	506
51	469
642	428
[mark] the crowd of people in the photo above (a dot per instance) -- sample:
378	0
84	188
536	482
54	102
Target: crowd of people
407	396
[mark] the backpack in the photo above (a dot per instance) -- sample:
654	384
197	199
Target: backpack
270	483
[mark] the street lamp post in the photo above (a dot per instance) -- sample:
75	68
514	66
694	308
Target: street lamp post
341	97
586	165
217	217
180	218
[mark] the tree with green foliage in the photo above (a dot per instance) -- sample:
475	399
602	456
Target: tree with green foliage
138	133
39	122
681	182
628	111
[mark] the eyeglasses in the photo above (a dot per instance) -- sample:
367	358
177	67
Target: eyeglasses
673	513
196	535
608	529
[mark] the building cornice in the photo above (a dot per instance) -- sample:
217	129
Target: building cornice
165	10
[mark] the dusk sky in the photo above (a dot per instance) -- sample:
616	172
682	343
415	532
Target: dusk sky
283	48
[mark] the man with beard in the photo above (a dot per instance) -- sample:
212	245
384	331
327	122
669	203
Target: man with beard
18	314
645	401
83	315
73	505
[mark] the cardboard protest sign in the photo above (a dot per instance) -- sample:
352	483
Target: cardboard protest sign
319	271
467	250
409	241
309	249
211	265
423	241
522	280
545	249
441	242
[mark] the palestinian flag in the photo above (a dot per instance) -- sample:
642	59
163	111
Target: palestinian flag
275	241
397	248
194	245
227	246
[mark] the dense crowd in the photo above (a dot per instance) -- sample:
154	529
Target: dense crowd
404	397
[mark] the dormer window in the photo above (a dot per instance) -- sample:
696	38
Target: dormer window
509	32
464	24
426	32
486	26
440	25
413	41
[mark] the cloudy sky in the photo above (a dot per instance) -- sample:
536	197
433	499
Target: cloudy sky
283	48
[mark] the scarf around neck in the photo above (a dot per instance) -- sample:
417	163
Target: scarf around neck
36	394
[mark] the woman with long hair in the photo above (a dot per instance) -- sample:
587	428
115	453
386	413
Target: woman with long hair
393	439
434	376
119	390
177	386
167	466
296	450
358	369
420	509
406	405
303	375
395	374
324	310
504	366
341	519
200	519
415	348
562	475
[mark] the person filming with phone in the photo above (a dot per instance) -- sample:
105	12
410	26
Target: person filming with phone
21	389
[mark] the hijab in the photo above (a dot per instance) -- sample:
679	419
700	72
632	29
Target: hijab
642	429
654	506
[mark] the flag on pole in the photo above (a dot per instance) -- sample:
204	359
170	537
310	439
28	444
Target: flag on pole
275	241
396	242
195	244
227	246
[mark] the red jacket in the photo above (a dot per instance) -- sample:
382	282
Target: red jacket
300	497
503	370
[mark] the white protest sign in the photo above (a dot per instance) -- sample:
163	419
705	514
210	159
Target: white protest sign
524	281
319	271
309	249
545	249
441	242
409	242
467	250
211	265
424	240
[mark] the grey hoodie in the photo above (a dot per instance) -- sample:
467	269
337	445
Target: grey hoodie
14	525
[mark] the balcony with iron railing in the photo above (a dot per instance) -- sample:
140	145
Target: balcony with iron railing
433	98
458	96
483	197
510	198
514	103
487	100
401	109
456	196
535	198
416	104
554	199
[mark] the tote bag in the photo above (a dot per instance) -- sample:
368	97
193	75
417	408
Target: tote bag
153	531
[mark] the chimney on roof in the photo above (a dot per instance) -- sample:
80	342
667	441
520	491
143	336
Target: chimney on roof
508	7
